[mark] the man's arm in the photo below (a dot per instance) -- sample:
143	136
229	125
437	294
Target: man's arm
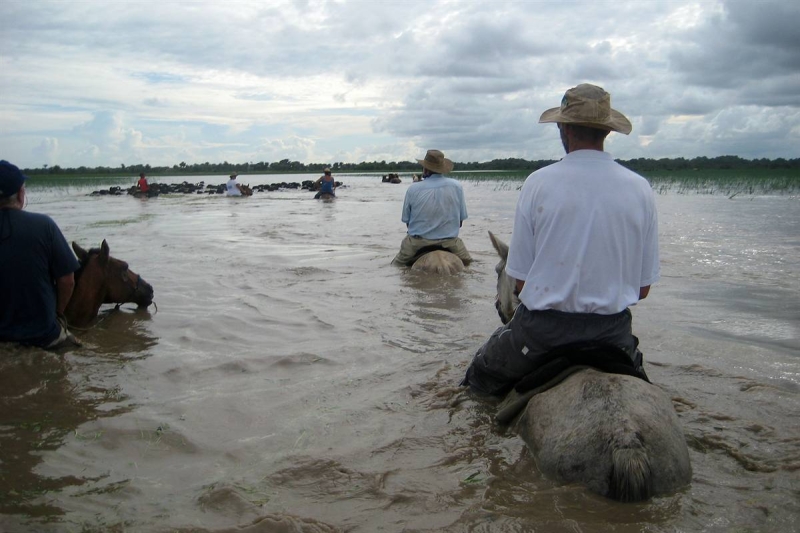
64	287
520	284
643	292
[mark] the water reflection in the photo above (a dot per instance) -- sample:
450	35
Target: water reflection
42	403
434	295
120	332
430	303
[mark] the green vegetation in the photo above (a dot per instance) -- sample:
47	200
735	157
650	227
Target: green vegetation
728	182
729	175
492	175
511	164
65	180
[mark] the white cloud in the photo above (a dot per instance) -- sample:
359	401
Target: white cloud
93	83
47	151
292	148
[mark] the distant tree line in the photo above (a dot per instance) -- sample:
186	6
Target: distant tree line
723	162
510	164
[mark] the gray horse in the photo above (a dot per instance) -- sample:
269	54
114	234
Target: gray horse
616	434
439	262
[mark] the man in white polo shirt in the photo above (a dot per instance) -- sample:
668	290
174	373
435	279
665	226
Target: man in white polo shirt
584	248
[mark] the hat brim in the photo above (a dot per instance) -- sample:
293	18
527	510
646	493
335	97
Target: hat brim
445	168
616	122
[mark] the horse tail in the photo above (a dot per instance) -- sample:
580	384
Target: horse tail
631	476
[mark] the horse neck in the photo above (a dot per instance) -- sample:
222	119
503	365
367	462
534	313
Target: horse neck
87	297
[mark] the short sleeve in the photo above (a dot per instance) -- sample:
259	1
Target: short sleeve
63	259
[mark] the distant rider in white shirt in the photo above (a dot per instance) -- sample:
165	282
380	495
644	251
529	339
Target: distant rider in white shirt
232	187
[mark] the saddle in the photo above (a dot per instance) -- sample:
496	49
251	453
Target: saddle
602	357
427	249
564	361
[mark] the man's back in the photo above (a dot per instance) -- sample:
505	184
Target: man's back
585	236
326	186
33	254
232	188
434	208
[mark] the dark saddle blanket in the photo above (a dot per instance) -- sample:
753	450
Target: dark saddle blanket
603	357
563	362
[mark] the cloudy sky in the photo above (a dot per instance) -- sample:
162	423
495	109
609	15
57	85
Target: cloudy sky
112	82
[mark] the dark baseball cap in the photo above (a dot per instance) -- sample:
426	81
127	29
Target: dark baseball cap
11	179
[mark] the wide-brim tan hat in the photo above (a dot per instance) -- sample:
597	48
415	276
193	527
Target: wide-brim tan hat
588	105
435	161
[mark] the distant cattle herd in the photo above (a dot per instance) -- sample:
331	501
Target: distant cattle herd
203	188
200	188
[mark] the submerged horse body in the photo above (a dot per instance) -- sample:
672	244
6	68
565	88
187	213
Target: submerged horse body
101	279
616	434
438	262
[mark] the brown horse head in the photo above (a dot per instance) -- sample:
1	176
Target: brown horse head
103	279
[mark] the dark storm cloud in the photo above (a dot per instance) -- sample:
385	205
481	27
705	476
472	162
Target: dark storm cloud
773	92
755	45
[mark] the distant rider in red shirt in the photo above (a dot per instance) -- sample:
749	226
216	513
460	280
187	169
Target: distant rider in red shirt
142	183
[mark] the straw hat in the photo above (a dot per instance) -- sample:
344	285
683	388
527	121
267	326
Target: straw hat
588	105
435	161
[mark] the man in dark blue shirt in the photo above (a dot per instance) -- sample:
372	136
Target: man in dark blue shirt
37	269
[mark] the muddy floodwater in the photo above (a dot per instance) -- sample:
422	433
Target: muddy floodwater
292	379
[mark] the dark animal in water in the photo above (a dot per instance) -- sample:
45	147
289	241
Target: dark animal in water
191	188
391	178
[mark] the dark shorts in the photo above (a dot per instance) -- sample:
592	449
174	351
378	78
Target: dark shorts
516	349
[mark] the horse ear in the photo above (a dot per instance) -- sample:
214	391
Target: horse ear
500	246
104	252
80	252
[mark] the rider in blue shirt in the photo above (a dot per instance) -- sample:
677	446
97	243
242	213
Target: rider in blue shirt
433	211
326	184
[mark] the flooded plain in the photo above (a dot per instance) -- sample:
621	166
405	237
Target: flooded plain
291	379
